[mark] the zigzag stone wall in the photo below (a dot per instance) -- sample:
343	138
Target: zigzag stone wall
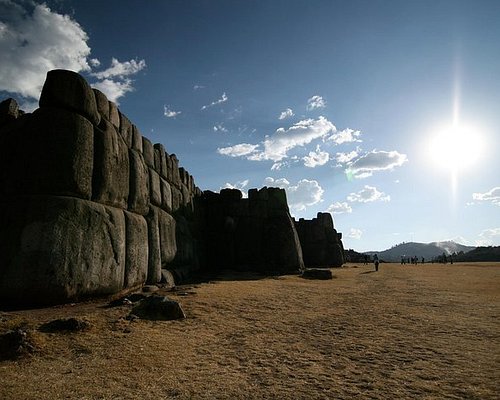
87	202
88	206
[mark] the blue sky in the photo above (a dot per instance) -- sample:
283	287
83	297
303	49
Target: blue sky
339	102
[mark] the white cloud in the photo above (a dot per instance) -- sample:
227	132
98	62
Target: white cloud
492	195
315	102
94	62
167	112
238	150
220	128
286	114
114	89
489	237
32	43
316	158
121	69
344	158
355	233
115	82
223	99
300	196
240	185
277	146
348	135
339	208
368	194
198	87
375	161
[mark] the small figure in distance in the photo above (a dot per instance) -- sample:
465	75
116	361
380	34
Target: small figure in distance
423	260
375	261
366	259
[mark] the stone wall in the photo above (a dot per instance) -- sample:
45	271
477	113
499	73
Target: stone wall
87	202
321	244
254	234
88	206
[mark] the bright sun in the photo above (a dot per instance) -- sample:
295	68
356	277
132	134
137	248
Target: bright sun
455	147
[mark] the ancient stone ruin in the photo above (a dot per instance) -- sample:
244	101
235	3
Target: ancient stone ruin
91	207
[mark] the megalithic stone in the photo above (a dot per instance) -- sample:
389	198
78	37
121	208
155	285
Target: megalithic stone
139	184
137	250
68	90
111	167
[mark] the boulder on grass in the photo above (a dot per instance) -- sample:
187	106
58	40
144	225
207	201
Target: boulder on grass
158	308
316	273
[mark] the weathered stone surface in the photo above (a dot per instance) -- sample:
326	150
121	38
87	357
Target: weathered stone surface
111	167
160	160
136	139
68	90
321	245
57	249
102	104
9	111
167	278
176	179
138	200
148	152
176	198
154	187
137	250
158	308
166	195
126	131
57	149
114	115
168	244
314	273
154	255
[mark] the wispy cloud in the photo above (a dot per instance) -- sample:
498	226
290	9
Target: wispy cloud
346	136
355	233
316	158
492	196
223	99
365	165
339	208
344	158
220	128
121	69
286	114
277	146
169	113
239	150
35	41
316	102
198	87
489	237
368	194
114	89
300	196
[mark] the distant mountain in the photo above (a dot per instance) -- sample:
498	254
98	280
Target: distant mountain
426	250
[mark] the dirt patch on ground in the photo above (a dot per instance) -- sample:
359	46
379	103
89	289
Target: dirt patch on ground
422	332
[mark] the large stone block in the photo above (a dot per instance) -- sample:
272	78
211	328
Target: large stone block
126	130
137	250
70	91
102	104
136	139
138	200
154	254
114	115
168	245
166	195
160	160
148	152
52	154
58	249
154	187
9	111
111	167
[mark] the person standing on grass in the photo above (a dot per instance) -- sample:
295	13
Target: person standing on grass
375	261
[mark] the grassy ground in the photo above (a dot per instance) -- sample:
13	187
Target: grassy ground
419	332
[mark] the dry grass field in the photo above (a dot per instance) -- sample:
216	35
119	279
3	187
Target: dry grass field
419	332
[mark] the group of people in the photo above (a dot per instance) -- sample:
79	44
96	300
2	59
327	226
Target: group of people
411	260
